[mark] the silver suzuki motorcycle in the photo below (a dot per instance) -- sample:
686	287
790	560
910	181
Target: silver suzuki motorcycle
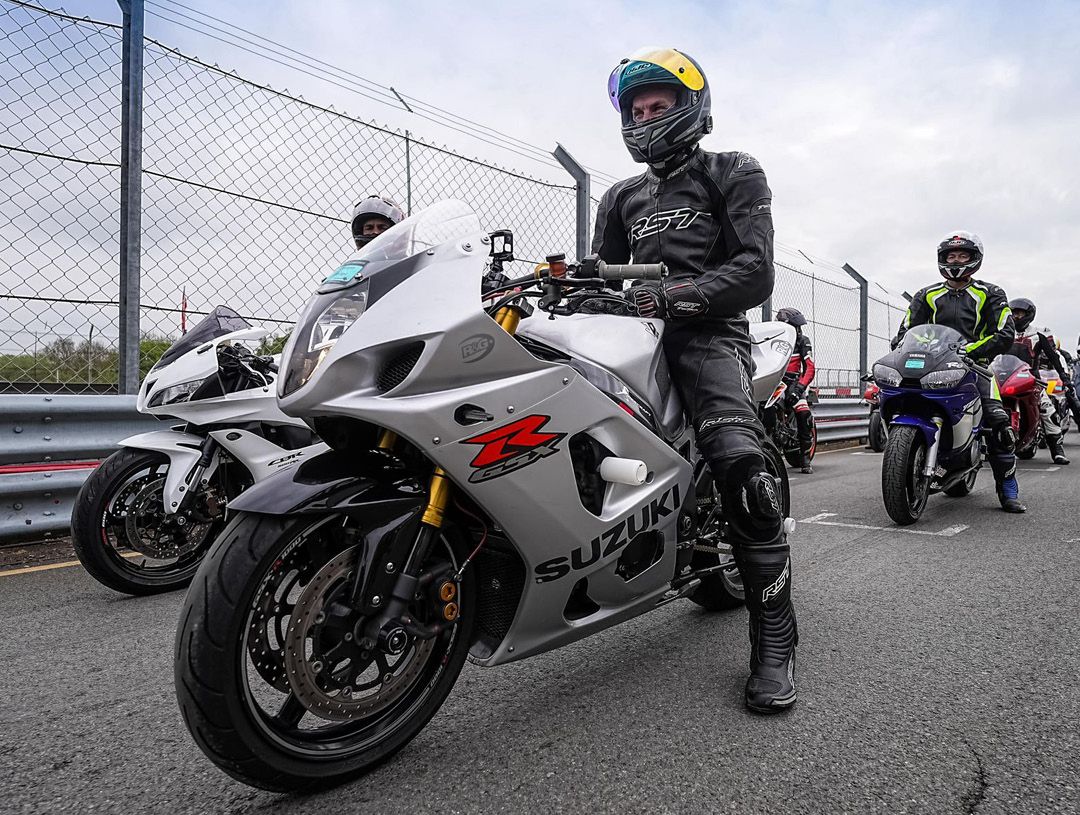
507	475
144	519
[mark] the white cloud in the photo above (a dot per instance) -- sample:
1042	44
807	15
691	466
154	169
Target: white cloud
881	126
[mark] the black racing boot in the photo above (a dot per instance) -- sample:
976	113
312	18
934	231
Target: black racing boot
806	467
1008	493
1057	449
766	575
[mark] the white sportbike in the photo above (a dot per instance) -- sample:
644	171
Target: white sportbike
505	479
145	518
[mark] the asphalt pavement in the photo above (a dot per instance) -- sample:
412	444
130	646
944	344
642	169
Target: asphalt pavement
937	673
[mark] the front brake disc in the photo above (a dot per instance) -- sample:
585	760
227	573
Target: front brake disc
331	674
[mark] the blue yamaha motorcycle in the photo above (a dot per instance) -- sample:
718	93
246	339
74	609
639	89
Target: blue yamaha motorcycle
930	401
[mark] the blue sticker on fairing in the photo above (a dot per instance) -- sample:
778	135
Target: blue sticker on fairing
347	271
915	363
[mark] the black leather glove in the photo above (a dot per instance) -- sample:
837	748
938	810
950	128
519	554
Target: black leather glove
648	300
794	394
674	298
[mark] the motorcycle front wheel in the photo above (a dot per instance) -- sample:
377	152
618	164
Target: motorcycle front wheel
904	486
273	683
122	535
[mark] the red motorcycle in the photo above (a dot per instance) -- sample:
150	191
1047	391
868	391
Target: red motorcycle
877	432
1020	390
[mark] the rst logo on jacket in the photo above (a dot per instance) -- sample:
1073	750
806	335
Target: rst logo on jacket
611	540
657	222
512	447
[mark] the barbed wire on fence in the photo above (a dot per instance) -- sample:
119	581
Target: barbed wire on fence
247	192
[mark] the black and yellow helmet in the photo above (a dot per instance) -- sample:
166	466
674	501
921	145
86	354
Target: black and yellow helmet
682	126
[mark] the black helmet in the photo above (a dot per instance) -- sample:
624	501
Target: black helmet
373	206
960	241
791	316
680	128
1025	305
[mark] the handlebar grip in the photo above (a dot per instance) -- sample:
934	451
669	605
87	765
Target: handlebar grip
631	271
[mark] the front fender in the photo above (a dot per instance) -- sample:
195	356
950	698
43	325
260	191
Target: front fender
183	450
374	484
928	428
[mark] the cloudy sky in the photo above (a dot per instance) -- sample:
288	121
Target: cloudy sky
882	126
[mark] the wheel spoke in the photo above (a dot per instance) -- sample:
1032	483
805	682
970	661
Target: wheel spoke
291	711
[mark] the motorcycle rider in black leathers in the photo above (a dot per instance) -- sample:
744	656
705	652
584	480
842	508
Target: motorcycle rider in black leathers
1037	347
708	216
799	375
373	216
980	312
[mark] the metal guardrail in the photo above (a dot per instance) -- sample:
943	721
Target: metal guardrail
841	419
36	502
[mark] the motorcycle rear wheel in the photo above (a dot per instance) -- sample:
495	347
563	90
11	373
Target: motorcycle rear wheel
963	487
876	432
248	628
904	487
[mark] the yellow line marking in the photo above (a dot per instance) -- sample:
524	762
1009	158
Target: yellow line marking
46	567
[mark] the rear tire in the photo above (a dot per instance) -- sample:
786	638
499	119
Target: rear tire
96	515
876	432
964	487
904	488
222	709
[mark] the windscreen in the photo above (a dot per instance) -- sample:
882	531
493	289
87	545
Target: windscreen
421	231
1005	365
931	339
219	322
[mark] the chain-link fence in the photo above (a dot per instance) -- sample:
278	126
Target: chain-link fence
247	194
246	198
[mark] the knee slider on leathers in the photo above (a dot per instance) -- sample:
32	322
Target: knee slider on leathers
750	499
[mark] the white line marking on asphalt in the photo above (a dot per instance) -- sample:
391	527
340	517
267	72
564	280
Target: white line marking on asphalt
819	519
1038	469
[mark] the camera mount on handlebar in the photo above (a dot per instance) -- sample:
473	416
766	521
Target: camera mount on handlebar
502	248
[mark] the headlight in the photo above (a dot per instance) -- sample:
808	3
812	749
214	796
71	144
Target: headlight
175	394
939	380
318	330
886	375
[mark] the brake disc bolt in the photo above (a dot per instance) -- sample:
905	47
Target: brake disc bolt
390	568
320	618
376	601
348	637
316	666
388	679
346	692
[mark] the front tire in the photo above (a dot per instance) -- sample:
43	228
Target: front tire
122	536
223	654
904	487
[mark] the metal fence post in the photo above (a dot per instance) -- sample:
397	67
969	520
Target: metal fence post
408	176
864	317
581	176
130	194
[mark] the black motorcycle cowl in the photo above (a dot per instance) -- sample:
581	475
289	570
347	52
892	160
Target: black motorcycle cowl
373	482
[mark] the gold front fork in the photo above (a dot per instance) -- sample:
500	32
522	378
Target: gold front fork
439	491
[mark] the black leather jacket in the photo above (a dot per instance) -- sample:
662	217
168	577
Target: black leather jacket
709	220
980	311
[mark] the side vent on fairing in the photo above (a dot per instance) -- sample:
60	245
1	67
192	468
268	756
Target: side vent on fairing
398	367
